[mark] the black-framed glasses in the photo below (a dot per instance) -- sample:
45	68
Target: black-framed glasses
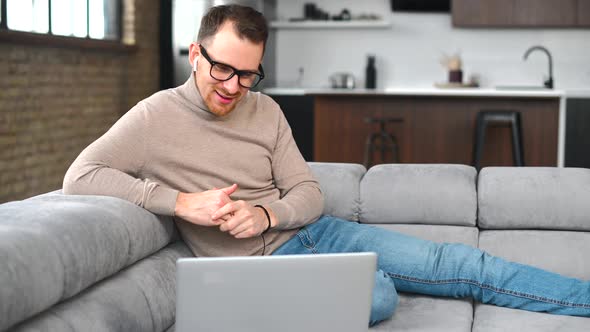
222	72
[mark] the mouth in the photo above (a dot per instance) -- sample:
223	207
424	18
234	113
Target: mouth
224	99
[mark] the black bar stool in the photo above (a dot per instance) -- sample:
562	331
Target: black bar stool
381	141
494	118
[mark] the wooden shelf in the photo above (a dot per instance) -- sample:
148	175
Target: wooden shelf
358	24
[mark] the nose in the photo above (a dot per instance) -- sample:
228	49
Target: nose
232	85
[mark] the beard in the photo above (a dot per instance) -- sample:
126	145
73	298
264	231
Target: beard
220	102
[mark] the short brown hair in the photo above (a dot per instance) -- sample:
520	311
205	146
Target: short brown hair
248	23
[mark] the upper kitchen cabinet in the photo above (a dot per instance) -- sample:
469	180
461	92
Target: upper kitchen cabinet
583	13
482	13
545	13
521	13
358	24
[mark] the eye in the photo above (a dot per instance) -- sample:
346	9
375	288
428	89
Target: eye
223	68
249	75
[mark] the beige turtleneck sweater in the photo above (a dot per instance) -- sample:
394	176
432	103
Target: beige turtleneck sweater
170	142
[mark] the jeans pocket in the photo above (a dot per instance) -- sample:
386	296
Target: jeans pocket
306	241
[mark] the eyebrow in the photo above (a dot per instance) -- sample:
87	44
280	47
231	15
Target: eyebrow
257	70
241	70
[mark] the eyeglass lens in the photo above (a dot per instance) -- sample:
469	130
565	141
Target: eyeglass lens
223	72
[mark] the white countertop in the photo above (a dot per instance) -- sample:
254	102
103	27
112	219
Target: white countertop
464	92
578	93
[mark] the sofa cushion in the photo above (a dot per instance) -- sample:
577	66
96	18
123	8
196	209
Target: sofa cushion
142	297
490	318
426	313
557	251
420	194
340	185
534	197
54	246
437	233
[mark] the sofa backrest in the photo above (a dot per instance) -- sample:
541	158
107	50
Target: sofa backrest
53	246
399	193
340	185
534	198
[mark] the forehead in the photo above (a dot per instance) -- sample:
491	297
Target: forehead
227	47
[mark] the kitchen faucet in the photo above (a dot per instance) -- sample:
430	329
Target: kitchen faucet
549	82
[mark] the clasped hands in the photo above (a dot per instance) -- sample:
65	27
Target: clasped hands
215	208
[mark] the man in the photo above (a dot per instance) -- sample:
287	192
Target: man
171	152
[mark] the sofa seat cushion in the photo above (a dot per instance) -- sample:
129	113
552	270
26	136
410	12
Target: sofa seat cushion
437	233
422	313
426	313
557	251
54	246
142	297
490	318
419	194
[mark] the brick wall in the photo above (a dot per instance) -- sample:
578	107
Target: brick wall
55	101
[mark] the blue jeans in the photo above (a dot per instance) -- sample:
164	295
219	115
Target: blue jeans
413	265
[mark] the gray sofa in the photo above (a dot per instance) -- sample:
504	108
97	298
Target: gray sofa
91	263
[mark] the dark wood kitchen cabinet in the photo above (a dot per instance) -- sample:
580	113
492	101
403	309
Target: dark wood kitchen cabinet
340	129
435	129
482	13
545	13
520	13
583	11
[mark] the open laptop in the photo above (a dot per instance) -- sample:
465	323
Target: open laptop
322	292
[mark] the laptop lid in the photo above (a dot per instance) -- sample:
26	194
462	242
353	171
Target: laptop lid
322	292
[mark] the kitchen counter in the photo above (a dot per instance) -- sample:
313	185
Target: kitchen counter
459	92
578	93
505	92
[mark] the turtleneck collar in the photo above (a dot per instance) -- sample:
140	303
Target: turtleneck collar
193	96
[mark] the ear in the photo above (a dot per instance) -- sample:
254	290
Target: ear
193	55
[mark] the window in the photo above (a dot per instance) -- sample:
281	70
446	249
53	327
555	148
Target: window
95	19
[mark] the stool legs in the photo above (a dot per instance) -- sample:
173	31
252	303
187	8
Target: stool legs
488	118
368	151
480	137
382	142
517	141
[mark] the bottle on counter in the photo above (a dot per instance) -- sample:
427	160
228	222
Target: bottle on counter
371	73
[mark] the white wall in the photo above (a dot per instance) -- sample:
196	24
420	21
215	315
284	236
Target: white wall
408	53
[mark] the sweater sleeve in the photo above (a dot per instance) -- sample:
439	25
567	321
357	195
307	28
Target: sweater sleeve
301	201
111	165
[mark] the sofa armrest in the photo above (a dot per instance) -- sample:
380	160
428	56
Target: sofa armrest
54	246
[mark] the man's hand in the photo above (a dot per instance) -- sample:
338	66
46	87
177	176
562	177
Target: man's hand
198	208
243	220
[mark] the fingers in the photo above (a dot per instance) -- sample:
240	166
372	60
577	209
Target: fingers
244	219
228	209
241	229
244	232
230	190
